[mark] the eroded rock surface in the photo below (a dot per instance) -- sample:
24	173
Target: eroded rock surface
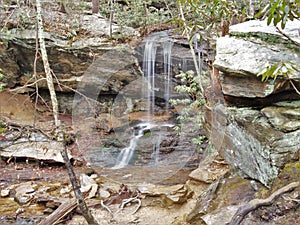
249	48
259	132
35	145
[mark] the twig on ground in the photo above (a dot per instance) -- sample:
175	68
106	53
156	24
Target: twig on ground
126	201
291	199
105	207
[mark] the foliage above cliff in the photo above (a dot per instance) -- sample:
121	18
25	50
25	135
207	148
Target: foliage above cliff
279	11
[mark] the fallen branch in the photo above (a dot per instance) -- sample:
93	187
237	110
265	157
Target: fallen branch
126	201
63	210
256	203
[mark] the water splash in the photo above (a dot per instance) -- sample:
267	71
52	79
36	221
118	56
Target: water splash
126	153
156	150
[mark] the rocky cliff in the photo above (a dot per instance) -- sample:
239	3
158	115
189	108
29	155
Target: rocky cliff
256	128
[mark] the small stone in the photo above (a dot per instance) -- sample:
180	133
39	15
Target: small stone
86	180
19	211
52	205
94	176
48	211
265	217
104	194
127	175
23	198
25	188
65	190
5	193
93	191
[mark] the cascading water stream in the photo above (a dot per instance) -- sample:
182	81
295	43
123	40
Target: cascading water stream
149	71
156	150
126	153
167	50
199	50
149	68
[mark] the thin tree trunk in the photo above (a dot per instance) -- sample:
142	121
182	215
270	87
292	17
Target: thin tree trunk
80	199
192	49
251	8
95	6
111	17
81	202
46	63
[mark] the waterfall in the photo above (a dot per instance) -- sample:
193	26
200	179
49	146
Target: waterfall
199	50
157	45
149	71
167	50
161	42
156	149
126	153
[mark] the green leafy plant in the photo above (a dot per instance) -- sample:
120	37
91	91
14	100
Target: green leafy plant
279	11
283	69
136	13
205	18
3	126
190	119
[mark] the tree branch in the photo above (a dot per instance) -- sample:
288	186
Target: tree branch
76	187
288	37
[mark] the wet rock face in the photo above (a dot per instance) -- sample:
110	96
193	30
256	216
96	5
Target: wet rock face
259	133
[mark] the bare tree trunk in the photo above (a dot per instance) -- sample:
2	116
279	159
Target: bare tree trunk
145	17
111	17
60	135
95	6
191	48
76	187
46	63
251	8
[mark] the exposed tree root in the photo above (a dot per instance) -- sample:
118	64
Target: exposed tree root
256	203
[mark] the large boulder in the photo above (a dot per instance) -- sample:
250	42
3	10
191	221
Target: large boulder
249	48
254	129
35	146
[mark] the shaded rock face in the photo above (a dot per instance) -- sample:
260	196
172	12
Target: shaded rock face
249	142
256	128
19	52
112	69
